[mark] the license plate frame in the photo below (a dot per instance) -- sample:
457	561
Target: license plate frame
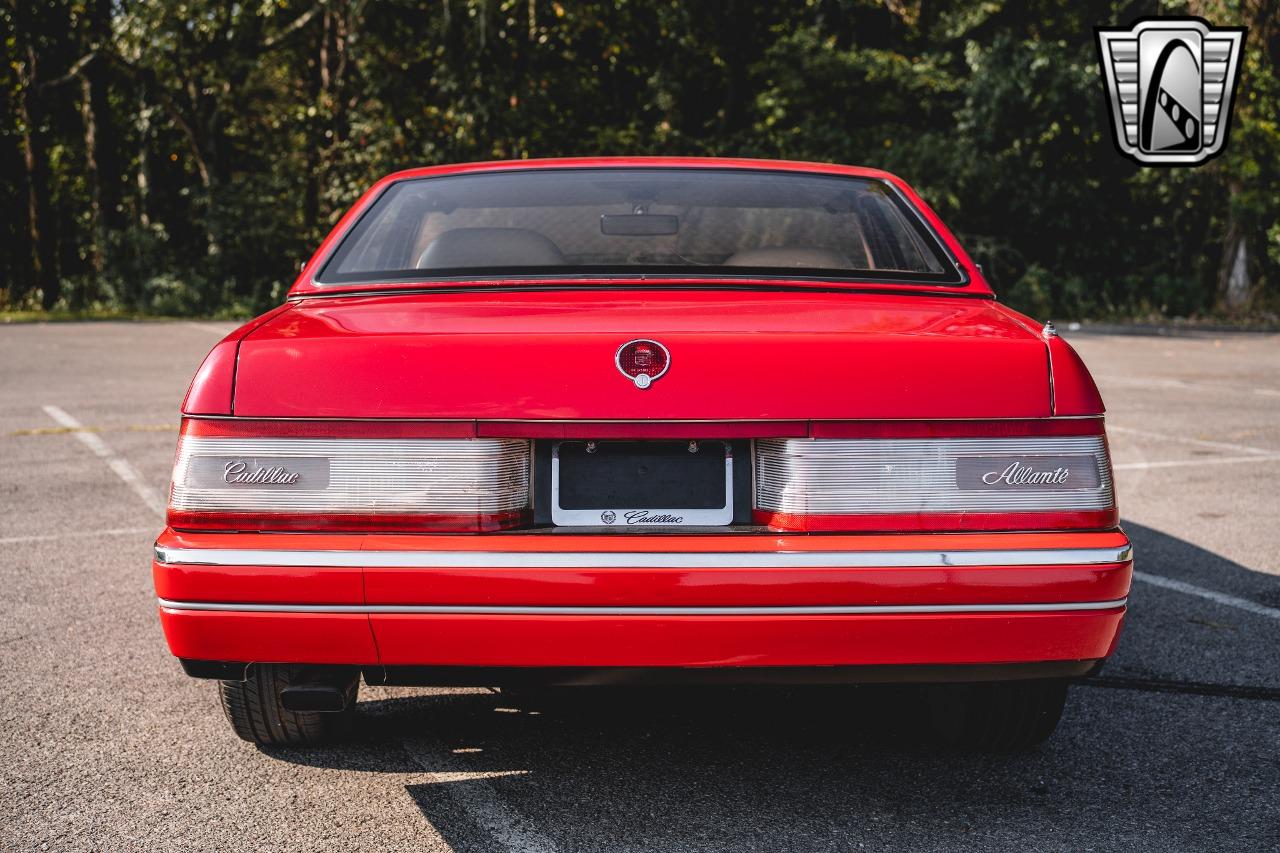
631	516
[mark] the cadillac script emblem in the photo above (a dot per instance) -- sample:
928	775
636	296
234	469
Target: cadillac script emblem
278	473
237	472
1170	84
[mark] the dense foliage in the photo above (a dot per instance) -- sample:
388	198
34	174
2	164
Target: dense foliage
181	156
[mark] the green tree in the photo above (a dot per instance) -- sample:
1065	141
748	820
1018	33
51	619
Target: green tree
183	155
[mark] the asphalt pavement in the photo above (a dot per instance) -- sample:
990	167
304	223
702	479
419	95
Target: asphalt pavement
106	745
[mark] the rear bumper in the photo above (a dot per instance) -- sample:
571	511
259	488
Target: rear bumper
751	600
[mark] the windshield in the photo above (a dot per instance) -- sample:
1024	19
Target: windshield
661	221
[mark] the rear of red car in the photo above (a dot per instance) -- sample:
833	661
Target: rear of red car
642	420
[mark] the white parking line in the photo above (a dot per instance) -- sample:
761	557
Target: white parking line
1184	463
1216	597
471	790
1199	442
83	534
204	327
115	462
1136	381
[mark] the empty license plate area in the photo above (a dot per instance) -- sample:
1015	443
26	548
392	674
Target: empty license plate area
629	483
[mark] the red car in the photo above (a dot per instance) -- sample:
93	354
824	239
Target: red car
642	420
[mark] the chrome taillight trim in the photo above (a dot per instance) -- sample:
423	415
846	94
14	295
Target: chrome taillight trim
764	610
878	476
641	559
401	476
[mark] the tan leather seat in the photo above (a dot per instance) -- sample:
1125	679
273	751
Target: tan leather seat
490	247
789	256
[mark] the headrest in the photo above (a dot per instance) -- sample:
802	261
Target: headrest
788	256
490	247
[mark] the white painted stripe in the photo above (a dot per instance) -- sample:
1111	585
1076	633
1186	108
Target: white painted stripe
640	559
1149	382
1188	463
1198	442
115	462
764	610
82	534
472	791
220	331
1208	594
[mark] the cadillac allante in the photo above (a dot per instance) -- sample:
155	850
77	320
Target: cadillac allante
573	422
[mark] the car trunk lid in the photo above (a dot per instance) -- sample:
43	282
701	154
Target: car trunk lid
549	355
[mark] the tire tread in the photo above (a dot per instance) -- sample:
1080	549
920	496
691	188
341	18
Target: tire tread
256	714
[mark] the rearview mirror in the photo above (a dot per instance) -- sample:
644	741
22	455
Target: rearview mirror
639	224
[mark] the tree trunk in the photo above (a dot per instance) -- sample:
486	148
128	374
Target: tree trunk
1235	290
144	159
101	160
97	250
44	273
318	85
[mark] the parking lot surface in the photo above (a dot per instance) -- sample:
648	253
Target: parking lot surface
108	746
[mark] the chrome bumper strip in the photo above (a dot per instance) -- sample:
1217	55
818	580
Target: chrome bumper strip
496	610
640	560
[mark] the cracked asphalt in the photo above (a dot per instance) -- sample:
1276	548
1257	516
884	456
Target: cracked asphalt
108	746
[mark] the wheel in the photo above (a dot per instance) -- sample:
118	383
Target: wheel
256	712
999	716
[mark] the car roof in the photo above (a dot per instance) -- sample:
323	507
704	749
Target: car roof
642	162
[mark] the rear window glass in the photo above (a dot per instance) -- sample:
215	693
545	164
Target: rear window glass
720	222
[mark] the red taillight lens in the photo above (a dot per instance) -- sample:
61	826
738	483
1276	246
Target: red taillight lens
283	475
979	476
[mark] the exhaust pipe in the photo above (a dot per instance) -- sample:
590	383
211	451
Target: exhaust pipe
324	690
314	697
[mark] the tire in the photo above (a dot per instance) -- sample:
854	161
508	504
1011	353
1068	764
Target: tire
1000	716
254	710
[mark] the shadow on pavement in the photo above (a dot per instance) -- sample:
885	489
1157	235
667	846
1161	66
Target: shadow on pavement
1159	553
1179	638
833	767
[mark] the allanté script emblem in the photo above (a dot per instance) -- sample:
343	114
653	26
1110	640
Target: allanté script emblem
1018	474
1059	471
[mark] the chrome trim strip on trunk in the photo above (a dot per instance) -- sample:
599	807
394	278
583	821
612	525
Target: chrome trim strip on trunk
249	418
498	610
639	559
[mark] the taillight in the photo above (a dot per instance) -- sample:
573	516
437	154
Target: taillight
995	481
282	475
